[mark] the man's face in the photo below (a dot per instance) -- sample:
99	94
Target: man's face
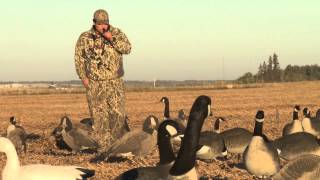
101	27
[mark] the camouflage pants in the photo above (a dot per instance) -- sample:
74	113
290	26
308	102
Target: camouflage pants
106	101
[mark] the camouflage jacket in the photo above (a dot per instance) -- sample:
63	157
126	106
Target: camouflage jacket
98	59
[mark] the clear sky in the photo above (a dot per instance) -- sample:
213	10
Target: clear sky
171	39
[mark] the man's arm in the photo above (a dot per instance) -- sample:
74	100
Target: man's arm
120	41
80	60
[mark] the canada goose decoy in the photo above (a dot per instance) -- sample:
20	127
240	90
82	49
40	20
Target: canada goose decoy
295	125
167	129
13	170
297	144
306	167
134	143
310	124
150	123
260	158
236	139
184	165
166	112
17	135
211	144
74	138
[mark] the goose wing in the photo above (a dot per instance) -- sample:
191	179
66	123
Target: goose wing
303	167
136	142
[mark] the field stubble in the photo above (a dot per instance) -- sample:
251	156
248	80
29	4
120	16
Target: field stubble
41	113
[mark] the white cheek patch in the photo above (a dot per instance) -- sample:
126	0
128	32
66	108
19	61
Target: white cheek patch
225	153
279	151
64	123
172	131
259	120
209	110
153	122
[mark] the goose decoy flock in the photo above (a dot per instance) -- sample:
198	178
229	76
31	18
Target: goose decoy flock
294	155
167	130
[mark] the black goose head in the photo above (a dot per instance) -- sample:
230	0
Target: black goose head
150	124
201	108
217	122
164	100
13	120
259	123
295	115
185	161
306	112
167	129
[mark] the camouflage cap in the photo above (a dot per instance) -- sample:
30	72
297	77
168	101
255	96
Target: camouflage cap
101	17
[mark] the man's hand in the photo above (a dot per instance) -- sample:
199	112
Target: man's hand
85	82
107	35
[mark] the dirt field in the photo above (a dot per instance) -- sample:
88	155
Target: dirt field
41	113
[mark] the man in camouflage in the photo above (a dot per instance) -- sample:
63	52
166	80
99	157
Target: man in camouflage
98	62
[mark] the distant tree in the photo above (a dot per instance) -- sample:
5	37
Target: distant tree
276	71
265	71
247	78
259	75
269	76
271	72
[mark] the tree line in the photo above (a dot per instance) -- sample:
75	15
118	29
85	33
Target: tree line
270	71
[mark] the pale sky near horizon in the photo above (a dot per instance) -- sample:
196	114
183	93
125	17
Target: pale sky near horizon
171	39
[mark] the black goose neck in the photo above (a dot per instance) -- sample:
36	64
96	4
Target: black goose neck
258	128
295	115
217	125
166	113
187	153
165	150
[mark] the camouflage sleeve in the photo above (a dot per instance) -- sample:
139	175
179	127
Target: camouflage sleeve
78	57
120	41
